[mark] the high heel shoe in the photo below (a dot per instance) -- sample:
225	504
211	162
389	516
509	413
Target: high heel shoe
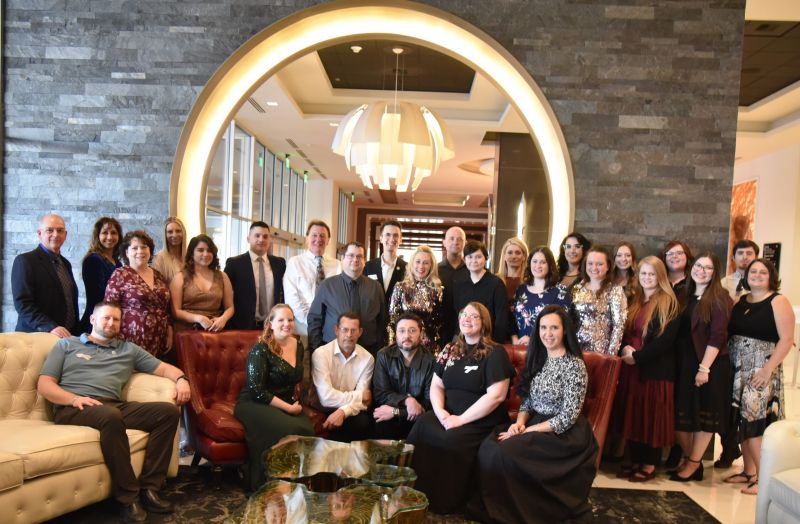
697	475
672	471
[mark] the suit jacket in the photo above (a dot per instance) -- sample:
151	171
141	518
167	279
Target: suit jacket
38	296
373	270
240	272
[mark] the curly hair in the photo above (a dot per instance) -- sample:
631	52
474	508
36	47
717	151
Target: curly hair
94	242
268	336
139	235
188	267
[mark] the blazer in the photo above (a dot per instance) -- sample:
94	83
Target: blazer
656	359
713	333
38	296
373	271
393	382
240	272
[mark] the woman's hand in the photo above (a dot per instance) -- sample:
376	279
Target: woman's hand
442	415
295	409
203	320
523	341
760	378
701	379
217	324
514	429
452	422
627	355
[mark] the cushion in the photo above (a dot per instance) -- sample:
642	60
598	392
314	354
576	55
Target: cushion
45	447
218	423
784	489
11	471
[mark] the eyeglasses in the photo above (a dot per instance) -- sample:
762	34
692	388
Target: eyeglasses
674	253
471	316
704	268
51	230
354	257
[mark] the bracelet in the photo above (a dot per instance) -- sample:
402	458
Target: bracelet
182	377
702	369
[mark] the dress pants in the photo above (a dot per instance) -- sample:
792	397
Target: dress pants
396	428
357	427
159	419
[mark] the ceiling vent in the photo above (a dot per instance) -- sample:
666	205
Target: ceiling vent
256	105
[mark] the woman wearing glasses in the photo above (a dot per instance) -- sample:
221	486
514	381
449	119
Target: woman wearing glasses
573	248
676	256
470	383
702	396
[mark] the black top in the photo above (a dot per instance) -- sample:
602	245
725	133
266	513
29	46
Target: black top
96	270
393	382
754	320
656	358
489	291
268	375
447	274
466	380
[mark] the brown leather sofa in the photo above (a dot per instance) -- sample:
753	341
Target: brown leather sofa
215	365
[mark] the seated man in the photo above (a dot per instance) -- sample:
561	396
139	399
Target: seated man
342	371
83	378
402	380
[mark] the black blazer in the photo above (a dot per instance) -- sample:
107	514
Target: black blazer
657	359
240	272
38	296
373	267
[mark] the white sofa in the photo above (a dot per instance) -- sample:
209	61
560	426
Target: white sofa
47	470
779	475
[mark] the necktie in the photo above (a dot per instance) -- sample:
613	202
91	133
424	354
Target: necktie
66	286
353	298
740	286
320	270
261	314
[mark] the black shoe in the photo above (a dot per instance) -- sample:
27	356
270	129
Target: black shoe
674	458
697	475
133	512
153	503
726	461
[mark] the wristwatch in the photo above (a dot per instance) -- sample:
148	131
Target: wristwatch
182	377
395	412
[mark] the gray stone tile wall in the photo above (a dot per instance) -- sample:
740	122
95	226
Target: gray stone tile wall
96	94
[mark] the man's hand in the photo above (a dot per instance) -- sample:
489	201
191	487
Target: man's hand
366	397
61	332
81	402
413	408
334	420
182	392
383	413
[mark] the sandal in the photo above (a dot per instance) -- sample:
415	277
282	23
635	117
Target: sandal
739	478
752	488
625	472
642	476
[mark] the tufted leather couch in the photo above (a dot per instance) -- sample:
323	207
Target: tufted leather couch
779	474
47	470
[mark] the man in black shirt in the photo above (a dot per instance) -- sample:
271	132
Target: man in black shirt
450	268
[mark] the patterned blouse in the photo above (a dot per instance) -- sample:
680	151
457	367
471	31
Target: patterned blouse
528	305
423	299
557	391
145	311
600	319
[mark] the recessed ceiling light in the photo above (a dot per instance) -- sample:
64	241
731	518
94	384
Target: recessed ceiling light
333	124
272	104
356	48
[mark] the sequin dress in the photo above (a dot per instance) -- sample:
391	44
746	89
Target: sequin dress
600	318
528	305
421	298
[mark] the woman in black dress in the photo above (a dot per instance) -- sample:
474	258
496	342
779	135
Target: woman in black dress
702	389
470	383
482	286
541	468
266	404
99	264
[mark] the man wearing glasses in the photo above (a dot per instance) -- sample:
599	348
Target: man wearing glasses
349	291
44	290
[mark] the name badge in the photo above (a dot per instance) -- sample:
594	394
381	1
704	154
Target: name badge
84	356
467	369
373	277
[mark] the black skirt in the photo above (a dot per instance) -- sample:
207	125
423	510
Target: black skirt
536	477
707	408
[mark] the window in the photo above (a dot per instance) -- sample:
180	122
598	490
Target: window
344	208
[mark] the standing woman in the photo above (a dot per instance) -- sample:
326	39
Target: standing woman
599	304
482	286
647	383
570	256
420	293
540	288
469	385
99	263
266	405
541	468
625	273
143	296
202	295
702	390
513	267
169	261
762	333
676	256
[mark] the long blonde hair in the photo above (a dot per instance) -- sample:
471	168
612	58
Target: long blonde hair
268	336
167	222
503	269
433	277
664	304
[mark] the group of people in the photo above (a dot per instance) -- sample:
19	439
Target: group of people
412	350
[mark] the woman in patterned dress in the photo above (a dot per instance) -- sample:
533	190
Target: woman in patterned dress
420	293
762	333
143	295
540	288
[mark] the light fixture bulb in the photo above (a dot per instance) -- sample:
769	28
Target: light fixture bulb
356	48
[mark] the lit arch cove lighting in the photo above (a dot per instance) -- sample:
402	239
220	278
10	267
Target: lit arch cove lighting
405	144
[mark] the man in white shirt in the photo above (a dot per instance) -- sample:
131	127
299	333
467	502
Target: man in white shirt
388	269
342	372
744	252
306	271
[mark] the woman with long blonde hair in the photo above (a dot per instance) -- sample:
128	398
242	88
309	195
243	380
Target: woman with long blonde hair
169	261
420	293
646	386
266	405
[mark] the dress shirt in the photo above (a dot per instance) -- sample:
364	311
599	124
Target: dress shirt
269	276
387	270
341	381
731	282
299	284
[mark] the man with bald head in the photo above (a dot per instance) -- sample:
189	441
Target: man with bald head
450	268
44	290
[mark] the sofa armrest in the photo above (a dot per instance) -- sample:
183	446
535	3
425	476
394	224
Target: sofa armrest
778	453
144	387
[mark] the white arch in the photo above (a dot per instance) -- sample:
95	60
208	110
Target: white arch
316	27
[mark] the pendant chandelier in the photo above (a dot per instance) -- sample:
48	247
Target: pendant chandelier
404	142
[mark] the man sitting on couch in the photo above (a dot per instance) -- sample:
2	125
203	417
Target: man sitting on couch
83	377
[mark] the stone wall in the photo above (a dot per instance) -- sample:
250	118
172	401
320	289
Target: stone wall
96	94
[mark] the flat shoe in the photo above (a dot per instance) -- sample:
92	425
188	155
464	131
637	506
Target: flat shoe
625	472
641	476
739	478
